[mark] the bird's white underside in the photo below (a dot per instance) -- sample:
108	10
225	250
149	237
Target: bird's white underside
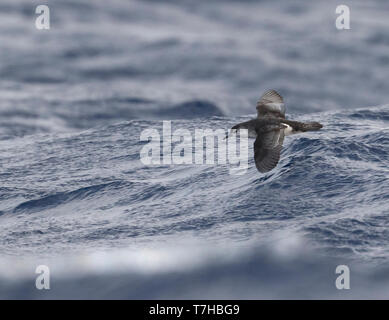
288	130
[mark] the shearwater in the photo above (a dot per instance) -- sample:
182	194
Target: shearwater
269	129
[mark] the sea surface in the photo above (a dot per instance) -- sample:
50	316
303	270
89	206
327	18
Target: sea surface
76	197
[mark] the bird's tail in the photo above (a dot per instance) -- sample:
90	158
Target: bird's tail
311	126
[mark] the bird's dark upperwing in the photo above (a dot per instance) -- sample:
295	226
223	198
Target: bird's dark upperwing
271	104
267	148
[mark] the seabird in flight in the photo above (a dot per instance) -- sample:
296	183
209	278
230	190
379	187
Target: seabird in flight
269	129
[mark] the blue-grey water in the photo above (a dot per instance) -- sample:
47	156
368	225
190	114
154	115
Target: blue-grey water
75	196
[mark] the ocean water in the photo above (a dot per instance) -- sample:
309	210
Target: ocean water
75	196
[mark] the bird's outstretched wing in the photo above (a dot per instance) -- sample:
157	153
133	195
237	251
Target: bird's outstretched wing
267	149
271	104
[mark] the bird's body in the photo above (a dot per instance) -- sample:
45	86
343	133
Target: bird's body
269	129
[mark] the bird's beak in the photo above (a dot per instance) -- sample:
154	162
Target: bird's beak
228	133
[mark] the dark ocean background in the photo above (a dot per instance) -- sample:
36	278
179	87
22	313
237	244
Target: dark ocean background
75	196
